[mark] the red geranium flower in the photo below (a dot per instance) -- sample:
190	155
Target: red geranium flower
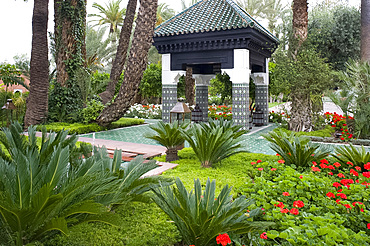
281	161
273	169
358	168
368	225
223	239
263	235
367	166
366	174
347	206
342	139
259	161
252	163
314	163
315	169
322	165
341	175
341	195
298	204
337	164
324	161
260	169
353	172
331	167
330	194
286	194
349	163
294	211
336	184
330	173
301	177
284	210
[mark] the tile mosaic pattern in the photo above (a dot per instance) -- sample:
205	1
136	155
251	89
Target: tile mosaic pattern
252	141
201	98
169	97
210	15
262	101
241	104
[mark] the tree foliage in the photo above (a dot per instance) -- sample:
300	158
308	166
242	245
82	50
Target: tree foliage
336	33
151	83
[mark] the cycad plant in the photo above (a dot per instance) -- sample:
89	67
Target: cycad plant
168	135
357	156
214	142
297	150
42	190
201	216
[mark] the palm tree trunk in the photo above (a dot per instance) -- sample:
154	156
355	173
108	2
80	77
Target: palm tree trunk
121	54
301	119
300	23
37	102
365	30
171	154
137	63
189	86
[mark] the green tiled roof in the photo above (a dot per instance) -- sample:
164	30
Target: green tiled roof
210	15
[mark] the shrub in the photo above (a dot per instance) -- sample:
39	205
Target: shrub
80	128
323	212
150	111
212	144
168	135
91	111
200	217
295	150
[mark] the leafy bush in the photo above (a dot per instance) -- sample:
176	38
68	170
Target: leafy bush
215	142
357	156
80	128
327	132
311	208
91	111
151	83
295	150
200	217
168	135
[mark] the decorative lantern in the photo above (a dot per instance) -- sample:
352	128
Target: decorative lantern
179	112
258	117
197	114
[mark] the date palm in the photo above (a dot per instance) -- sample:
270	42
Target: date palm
121	54
164	13
37	102
110	15
137	63
365	30
300	22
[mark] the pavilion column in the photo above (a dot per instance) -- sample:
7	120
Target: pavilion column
261	81
240	76
169	87
202	81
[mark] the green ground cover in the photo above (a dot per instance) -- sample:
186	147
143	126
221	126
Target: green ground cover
318	219
81	128
327	132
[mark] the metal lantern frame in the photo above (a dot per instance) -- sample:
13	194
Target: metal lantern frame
179	111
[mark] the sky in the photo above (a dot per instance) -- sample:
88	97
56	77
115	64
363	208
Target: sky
16	23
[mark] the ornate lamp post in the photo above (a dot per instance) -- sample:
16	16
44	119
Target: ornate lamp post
179	112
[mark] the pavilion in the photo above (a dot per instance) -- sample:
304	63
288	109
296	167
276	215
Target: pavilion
216	36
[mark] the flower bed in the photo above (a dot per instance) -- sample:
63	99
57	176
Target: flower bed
220	112
151	111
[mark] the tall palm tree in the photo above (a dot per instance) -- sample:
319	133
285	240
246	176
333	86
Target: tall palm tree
137	63
121	55
111	14
274	13
365	30
256	8
164	13
37	102
300	21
